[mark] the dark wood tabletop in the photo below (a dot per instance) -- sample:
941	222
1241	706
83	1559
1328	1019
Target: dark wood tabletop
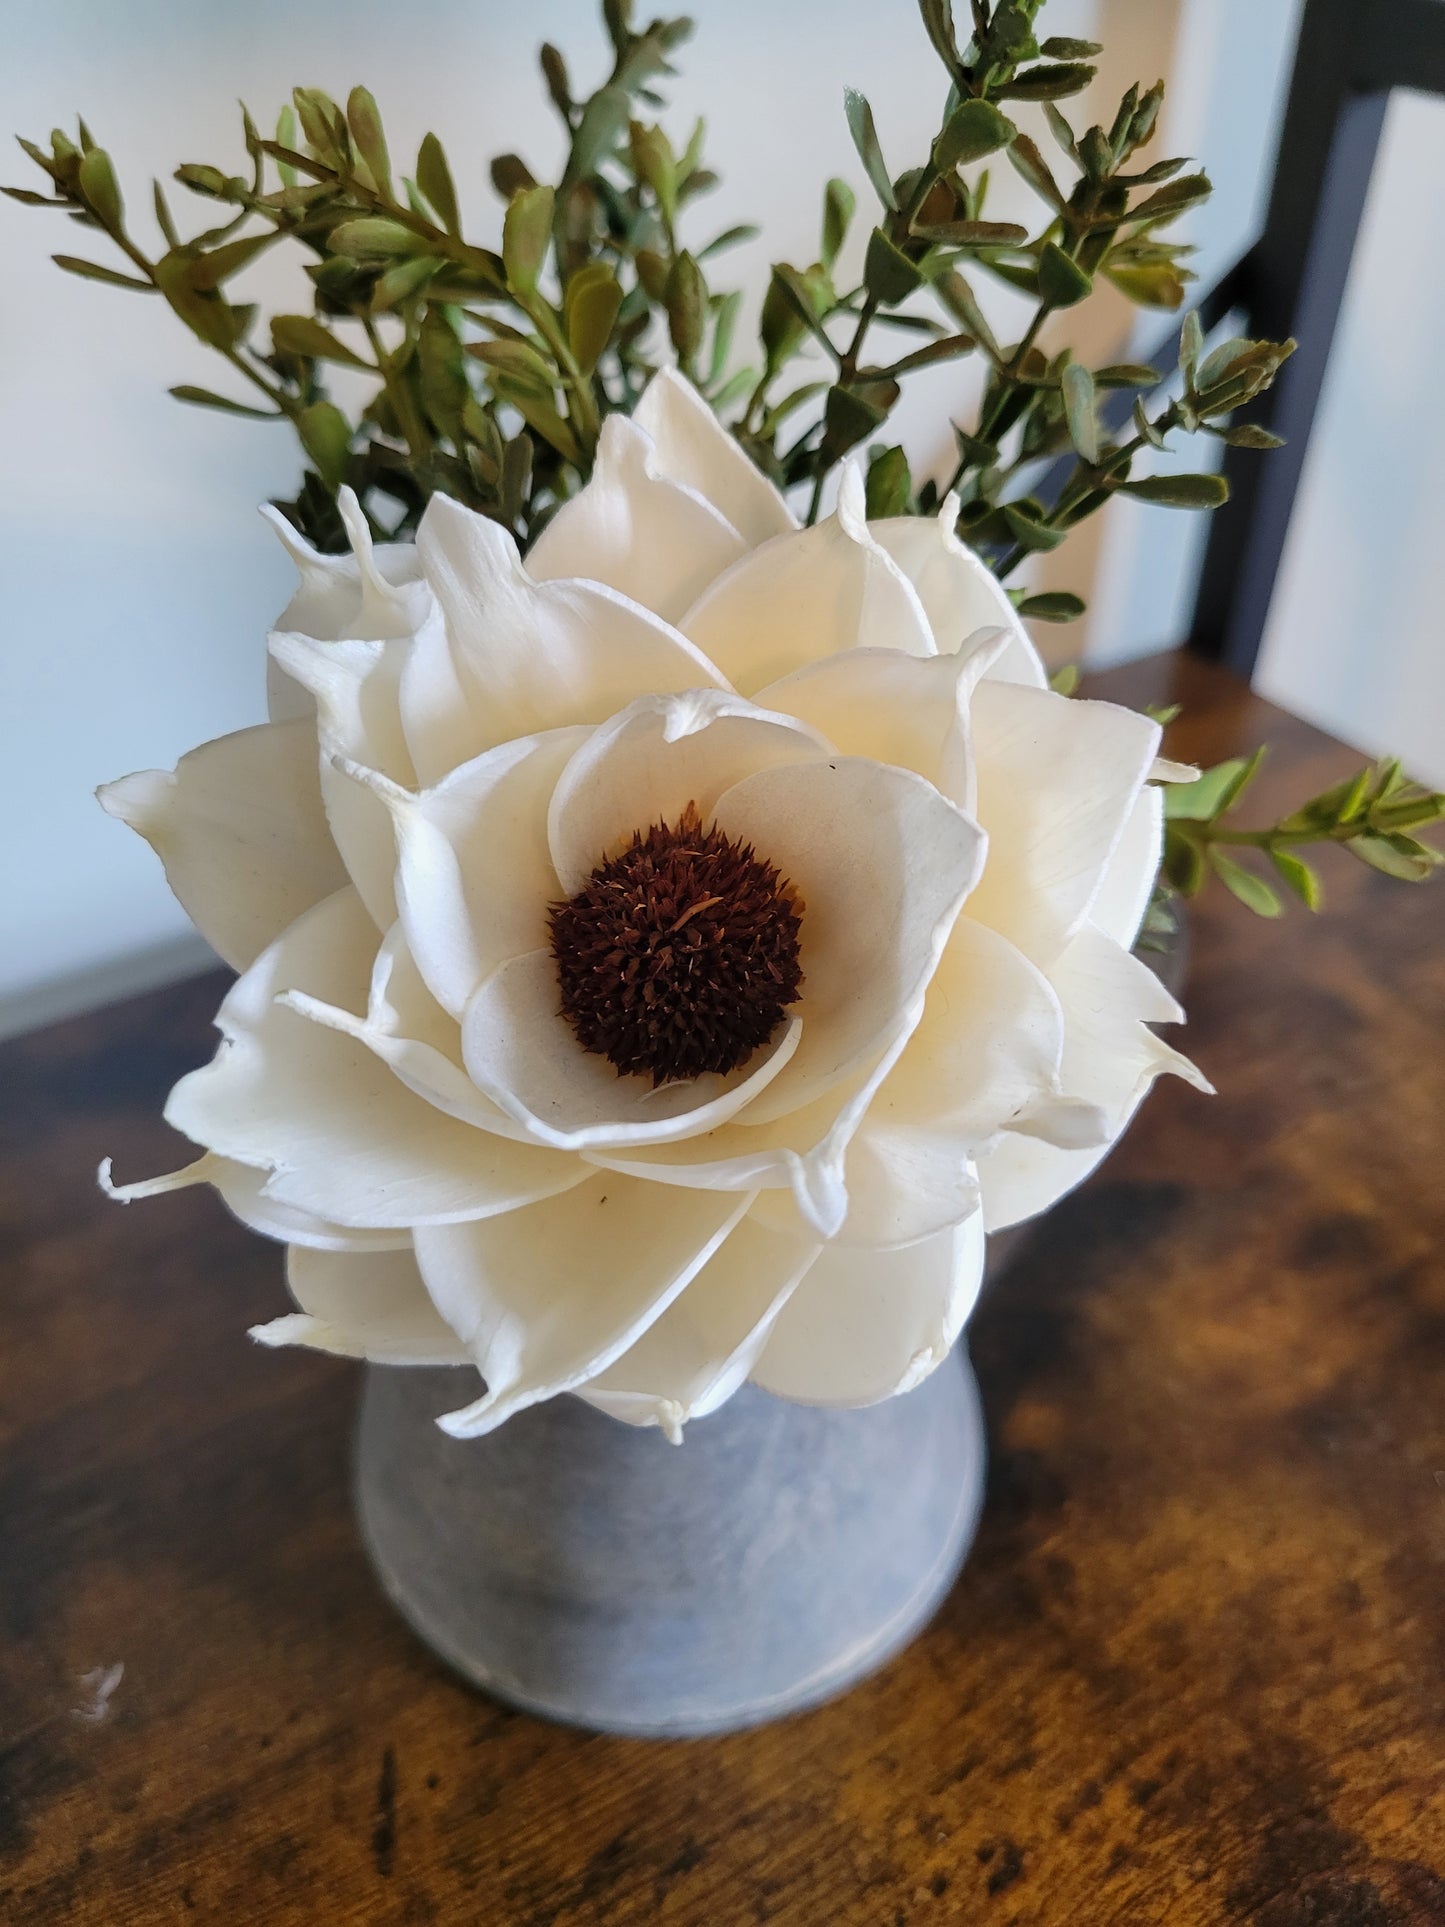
1194	1671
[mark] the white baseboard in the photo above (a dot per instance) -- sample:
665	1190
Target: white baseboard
107	983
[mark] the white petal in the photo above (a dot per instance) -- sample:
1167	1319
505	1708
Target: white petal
1129	875
807	595
707	1341
373	592
241	831
242	1187
653	759
987	1051
356	686
474	866
907	710
369	1305
1110	1060
1057	780
693	448
517	656
1165	770
546	1297
866	1324
959	592
523	1054
341	1136
652	539
882	862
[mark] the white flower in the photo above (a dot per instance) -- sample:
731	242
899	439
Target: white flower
956	859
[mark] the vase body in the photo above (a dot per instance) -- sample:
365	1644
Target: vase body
591	1572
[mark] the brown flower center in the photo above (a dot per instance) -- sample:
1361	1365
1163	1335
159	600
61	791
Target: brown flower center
680	955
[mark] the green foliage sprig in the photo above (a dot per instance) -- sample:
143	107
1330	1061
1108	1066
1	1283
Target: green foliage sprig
492	366
1374	814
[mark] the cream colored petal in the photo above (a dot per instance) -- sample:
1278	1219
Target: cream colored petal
1110	1060
547	1297
356	686
694	449
797	1162
882	863
704	1345
517	656
653	759
474	866
241	831
1132	869
805	596
987	1052
521	1052
242	1187
370	1305
632	528
372	592
1057	781
866	1324
959	592
340	1135
906	710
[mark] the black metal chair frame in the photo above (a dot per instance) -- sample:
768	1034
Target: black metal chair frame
1350	56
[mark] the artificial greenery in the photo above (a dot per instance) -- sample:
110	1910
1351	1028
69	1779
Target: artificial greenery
491	367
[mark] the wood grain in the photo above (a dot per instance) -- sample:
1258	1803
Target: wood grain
1192	1674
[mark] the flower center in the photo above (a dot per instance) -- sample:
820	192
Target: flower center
680	955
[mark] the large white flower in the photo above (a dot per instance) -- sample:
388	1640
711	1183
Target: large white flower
662	958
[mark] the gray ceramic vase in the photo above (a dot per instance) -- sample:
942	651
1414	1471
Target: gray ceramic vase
593	1573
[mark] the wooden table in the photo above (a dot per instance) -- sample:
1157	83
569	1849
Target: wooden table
1194	1671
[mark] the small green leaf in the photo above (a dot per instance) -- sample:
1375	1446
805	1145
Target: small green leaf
1191	343
799	297
1078	387
1180	491
890	485
848	418
888	274
1046	83
204	398
1156	285
93	271
1053	605
1171	200
364	119
1028	531
603	118
554	72
1065	681
101	189
510	174
217	265
1184	864
839	204
972	234
1031	164
434	178
729	238
1058	49
1127	374
1062	282
374	238
402	281
1251	435
589	310
685	298
326	437
299	334
1252	891
1299	876
973	129
949	348
1397	856
1212	793
865	139
526	233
